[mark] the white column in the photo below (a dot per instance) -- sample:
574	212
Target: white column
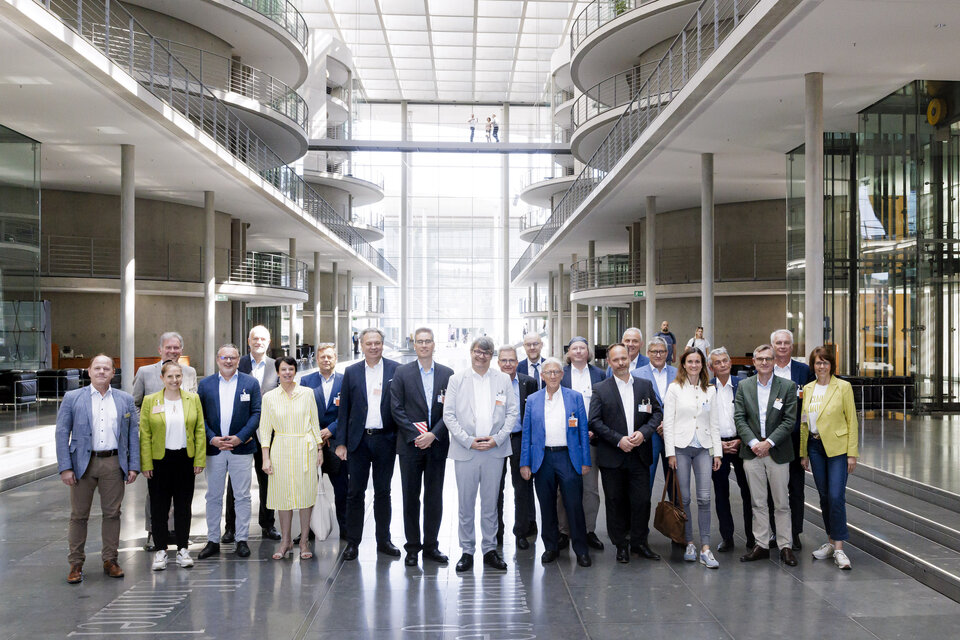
574	307
706	245
558	345
605	325
293	307
551	331
813	213
591	309
128	265
650	254
404	229
316	299
209	284
336	305
505	217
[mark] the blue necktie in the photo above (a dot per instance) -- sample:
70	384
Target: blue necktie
536	374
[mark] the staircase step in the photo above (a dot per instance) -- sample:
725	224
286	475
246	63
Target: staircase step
908	486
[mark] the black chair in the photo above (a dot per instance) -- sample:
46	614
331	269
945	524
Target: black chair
18	388
53	384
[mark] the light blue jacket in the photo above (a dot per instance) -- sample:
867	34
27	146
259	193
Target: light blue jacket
74	434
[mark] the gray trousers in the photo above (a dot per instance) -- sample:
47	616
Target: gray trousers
240	467
591	499
761	471
700	462
481	473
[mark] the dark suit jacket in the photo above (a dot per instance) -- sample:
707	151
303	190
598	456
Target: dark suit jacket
609	423
801	375
246	414
327	408
270	380
408	405
524	368
528	387
353	404
596	375
779	422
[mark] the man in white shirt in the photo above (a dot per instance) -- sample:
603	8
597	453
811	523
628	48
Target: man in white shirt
633	340
532	363
660	374
479	412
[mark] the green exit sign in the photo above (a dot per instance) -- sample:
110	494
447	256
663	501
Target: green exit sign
222	298
638	294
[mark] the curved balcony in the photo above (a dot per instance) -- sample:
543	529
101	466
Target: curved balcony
609	35
538	187
365	184
368	225
531	222
563	101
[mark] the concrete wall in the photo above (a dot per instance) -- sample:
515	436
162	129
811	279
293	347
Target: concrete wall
344	345
166	27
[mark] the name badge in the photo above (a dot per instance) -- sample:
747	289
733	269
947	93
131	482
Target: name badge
800	392
501	399
778	404
645	407
706	406
336	401
572	422
376	391
244	397
587	393
157	408
442	396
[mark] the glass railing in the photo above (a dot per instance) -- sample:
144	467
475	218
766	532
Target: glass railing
712	23
283	13
151	63
615	91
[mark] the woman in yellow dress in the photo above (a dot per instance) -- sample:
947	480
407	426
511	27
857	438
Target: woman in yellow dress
288	421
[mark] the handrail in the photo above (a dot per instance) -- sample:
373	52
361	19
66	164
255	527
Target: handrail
350	170
372	220
283	13
616	91
541	174
129	45
597	14
533	218
712	23
275	270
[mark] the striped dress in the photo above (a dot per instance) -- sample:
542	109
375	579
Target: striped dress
293	425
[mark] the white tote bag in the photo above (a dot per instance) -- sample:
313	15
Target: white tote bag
323	520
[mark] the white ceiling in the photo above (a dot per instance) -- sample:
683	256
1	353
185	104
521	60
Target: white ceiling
448	50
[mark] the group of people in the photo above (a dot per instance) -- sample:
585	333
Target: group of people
492	127
564	426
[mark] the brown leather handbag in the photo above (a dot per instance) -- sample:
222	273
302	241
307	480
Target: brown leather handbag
670	519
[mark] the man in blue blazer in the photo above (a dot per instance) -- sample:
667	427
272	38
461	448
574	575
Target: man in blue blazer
556	452
231	415
660	374
726	386
326	384
367	437
98	449
532	364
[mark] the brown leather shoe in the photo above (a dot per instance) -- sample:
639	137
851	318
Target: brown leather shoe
757	553
112	569
787	557
76	574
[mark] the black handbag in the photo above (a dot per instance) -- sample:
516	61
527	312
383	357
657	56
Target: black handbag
670	518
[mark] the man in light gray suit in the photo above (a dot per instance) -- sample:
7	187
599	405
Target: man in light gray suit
98	449
149	380
479	411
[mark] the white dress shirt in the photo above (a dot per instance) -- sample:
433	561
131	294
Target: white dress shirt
104	422
228	391
763	400
580	381
724	400
554	420
257	368
327	385
176	428
660	377
374	377
626	398
783	372
482	402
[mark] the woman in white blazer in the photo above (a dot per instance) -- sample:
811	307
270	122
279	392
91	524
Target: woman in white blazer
691	438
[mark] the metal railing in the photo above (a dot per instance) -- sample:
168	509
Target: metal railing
283	13
372	220
712	23
562	95
20	228
541	174
616	91
536	306
363	304
274	270
111	29
534	218
349	170
597	14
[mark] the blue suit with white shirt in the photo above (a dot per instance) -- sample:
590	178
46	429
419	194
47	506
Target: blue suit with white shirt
328	409
646	373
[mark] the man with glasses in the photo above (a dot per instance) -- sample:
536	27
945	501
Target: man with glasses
660	374
765	409
231	414
532	346
416	401
480	411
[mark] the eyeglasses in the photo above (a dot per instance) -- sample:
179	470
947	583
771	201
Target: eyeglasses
553	372
507	361
228	358
763	358
657	352
422	343
482	354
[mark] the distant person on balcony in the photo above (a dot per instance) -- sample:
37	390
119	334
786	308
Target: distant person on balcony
496	127
670	339
473	125
699	342
488	129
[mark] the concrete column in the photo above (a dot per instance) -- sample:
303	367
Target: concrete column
317	307
128	265
574	307
236	306
592	279
551	330
209	284
812	328
404	228
605	325
558	345
650	288
293	308
706	245
505	236
336	305
371	303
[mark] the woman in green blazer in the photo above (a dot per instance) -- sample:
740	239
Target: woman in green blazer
173	450
828	448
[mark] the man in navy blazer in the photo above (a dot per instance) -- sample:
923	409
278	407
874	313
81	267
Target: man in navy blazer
660	374
367	437
416	401
532	364
726	386
633	340
326	384
556	452
785	366
98	449
231	415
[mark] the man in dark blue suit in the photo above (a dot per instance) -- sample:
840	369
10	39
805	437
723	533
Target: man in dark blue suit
786	367
633	340
416	401
231	415
367	437
326	384
532	363
726	386
556	452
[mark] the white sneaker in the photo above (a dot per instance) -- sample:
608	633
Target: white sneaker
184	560
825	551
160	560
841	559
707	559
690	555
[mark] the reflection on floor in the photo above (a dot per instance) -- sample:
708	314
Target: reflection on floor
923	448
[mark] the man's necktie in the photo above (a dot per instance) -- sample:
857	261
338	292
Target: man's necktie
536	374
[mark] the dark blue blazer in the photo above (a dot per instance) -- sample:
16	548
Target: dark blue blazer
596	375
352	414
801	375
534	431
408	405
646	373
524	367
327	408
639	361
246	415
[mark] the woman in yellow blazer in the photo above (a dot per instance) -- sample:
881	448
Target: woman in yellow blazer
173	450
828	448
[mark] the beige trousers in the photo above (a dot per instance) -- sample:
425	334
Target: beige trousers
760	472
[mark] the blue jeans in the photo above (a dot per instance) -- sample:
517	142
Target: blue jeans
830	475
701	462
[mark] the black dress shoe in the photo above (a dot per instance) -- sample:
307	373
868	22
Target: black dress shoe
271	533
594	542
243	549
150	545
465	563
584	560
787	557
563	541
310	537
751	542
410	560
644	551
210	549
522	543
388	549
797	545
623	554
350	552
499	539
532	531
726	545
757	553
548	556
436	556
227	537
493	560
